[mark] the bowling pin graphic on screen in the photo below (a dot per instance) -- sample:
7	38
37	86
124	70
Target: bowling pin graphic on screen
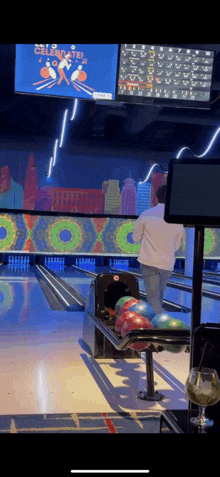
75	75
51	71
47	71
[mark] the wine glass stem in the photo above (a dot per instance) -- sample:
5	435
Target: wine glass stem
202	413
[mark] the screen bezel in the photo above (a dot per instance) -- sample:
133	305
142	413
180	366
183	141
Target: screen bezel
164	102
205	221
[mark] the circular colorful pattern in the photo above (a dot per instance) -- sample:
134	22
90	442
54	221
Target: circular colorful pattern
124	240
209	241
7	297
7	232
64	235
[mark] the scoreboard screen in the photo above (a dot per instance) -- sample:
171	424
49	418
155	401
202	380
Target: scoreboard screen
165	73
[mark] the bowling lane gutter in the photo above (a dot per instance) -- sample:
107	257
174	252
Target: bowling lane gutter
93	274
178	337
215	281
70	298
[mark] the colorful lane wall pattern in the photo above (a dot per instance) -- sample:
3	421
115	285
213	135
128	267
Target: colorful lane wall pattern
81	235
47	234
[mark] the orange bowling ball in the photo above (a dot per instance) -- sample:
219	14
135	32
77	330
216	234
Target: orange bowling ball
82	76
44	72
133	324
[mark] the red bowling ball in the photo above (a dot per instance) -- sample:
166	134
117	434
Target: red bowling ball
127	305
136	323
126	316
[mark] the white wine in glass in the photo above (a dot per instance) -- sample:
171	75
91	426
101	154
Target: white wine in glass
203	388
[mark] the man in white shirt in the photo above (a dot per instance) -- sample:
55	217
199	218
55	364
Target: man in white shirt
159	242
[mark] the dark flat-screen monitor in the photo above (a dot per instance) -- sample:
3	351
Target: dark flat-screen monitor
193	192
169	75
85	71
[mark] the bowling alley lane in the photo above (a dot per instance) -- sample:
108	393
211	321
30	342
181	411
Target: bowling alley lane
41	365
76	279
22	300
45	367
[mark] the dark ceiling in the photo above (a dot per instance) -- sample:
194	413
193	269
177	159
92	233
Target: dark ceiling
118	125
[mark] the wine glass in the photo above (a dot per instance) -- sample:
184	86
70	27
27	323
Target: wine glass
203	388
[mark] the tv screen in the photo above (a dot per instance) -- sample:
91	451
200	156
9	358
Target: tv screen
193	194
77	71
168	74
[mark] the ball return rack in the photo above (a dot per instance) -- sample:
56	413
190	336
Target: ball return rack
154	336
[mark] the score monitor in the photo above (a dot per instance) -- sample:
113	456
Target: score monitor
193	193
171	75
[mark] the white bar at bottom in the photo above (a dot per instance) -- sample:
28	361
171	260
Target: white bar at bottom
109	471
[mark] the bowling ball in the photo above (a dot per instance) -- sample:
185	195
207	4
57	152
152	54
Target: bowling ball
44	72
143	309
136	323
162	319
120	302
82	76
127	305
127	315
167	321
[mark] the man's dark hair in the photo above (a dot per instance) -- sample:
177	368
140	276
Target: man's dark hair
161	194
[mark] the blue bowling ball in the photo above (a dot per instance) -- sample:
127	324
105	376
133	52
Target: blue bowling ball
169	321
162	319
143	309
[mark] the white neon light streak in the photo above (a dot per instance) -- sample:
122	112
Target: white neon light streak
149	174
63	127
206	150
55	152
74	109
110	471
50	167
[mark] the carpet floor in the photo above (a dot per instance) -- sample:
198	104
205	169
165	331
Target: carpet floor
113	423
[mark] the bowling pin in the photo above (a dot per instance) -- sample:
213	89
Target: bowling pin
52	72
75	73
